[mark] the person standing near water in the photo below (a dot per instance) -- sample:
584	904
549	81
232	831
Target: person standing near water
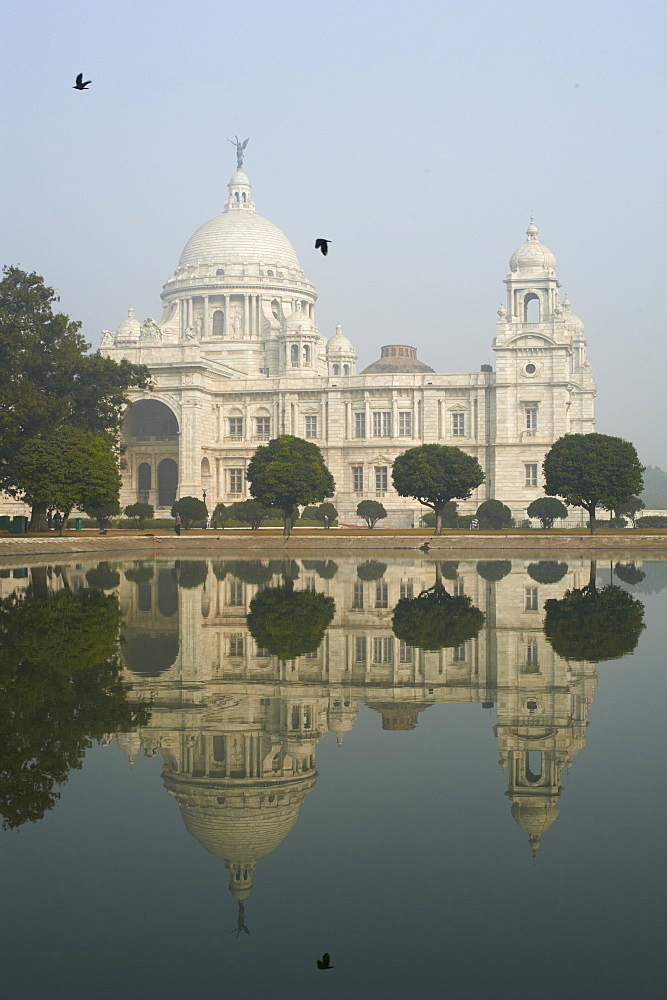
177	524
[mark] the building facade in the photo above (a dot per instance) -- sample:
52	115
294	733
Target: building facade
237	359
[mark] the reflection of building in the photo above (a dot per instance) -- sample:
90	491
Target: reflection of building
236	359
238	728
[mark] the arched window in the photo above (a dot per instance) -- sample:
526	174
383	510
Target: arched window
533	766
335	369
270	273
144	480
306	355
531	308
346	369
218	323
294	355
167	482
244	197
220	272
236	197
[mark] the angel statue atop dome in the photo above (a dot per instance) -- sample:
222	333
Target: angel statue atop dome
240	146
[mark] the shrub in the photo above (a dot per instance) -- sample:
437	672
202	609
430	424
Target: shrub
140	513
493	514
371	511
652	521
191	509
547	510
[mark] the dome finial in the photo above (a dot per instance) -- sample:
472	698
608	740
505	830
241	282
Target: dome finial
532	230
240	146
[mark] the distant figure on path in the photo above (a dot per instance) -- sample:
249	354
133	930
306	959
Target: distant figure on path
177	524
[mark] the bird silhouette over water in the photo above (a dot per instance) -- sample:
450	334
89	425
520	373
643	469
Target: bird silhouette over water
80	83
322	245
325	961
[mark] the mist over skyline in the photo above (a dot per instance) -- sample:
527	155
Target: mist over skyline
418	138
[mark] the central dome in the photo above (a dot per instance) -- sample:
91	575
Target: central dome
238	237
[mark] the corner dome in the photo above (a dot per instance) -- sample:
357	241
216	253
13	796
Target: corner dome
339	344
130	328
532	256
397	359
572	322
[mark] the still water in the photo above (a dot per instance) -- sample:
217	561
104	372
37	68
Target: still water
446	775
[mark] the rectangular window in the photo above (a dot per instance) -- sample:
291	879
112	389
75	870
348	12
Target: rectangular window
382	423
235	594
532	657
236	644
531	474
381	480
530	599
531	418
311	427
235	480
262	654
360	649
236	428
263	428
358	596
405	423
407	591
459	654
309	584
381	595
458	424
383	650
405	652
358	478
459	587
360	425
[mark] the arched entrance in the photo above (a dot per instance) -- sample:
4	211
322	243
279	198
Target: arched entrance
167	482
144	482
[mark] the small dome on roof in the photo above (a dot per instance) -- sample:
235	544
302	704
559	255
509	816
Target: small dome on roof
532	256
298	320
339	344
572	322
397	359
130	327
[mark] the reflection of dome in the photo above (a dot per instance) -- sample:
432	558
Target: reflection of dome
398	717
535	816
532	256
397	359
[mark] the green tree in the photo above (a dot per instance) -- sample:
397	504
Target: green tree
325	512
371	511
49	380
436	620
547	510
593	470
371	570
70	468
140	512
449	516
191	509
60	689
251	512
594	625
434	474
493	514
547	571
103	513
494	570
630	509
288	622
289	472
220	516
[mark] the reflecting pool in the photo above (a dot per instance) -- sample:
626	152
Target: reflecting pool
447	775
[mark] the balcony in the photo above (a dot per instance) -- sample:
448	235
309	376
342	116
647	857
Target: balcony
234	437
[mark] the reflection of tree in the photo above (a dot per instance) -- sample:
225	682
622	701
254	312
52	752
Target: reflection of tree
139	573
547	571
326	569
494	570
371	570
103	577
594	625
629	573
190	573
436	620
247	571
289	622
59	691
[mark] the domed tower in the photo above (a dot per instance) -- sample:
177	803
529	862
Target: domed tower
301	349
237	279
341	355
543	382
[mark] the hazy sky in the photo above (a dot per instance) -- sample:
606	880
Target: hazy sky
417	136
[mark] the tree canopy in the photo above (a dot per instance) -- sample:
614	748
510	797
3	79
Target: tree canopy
594	625
630	509
434	474
288	622
547	510
371	511
191	509
59	690
493	514
69	468
140	512
289	472
325	512
593	470
251	512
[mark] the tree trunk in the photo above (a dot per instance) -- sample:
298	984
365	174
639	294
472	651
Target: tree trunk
592	583
591	519
438	521
37	518
288	515
38	580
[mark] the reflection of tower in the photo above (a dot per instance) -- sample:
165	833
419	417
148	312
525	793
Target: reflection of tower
534	788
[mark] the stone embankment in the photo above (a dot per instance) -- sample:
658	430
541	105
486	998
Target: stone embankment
253	544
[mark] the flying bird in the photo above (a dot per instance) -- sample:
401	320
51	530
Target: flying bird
324	962
322	245
80	84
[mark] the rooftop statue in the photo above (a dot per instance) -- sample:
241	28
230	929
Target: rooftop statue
240	146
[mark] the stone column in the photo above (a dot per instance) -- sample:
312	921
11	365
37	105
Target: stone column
206	331
226	324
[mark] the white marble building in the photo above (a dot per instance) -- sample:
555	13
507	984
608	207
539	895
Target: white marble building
237	359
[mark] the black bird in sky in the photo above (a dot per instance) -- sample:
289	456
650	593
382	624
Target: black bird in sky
80	84
324	962
322	245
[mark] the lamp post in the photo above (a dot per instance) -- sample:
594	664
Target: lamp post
203	492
